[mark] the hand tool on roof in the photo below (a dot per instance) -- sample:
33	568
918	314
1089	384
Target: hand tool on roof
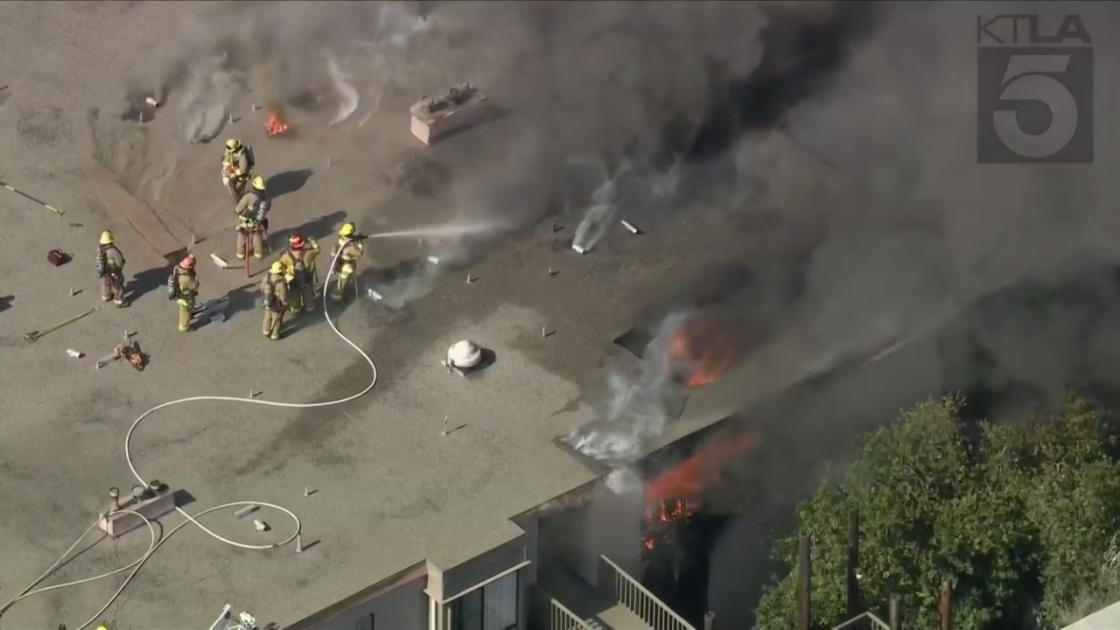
30	198
36	334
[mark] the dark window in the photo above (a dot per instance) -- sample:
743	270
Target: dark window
466	612
469	612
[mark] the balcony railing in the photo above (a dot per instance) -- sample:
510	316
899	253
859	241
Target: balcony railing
866	621
635	598
560	618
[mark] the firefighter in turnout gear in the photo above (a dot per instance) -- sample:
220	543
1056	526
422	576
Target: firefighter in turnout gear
252	220
351	248
110	268
298	262
182	287
275	290
237	164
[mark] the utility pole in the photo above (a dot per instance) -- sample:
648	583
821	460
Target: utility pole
946	606
894	616
804	575
853	564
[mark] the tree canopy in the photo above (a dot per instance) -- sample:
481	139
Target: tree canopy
1022	518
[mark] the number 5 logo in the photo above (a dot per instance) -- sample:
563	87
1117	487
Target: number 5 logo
1027	79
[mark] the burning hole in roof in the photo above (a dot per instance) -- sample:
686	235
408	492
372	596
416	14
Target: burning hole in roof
700	350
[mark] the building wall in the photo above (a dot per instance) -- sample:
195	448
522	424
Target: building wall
480	569
529	573
402	608
607	524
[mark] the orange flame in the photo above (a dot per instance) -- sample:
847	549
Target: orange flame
674	497
274	125
690	477
662	516
702	350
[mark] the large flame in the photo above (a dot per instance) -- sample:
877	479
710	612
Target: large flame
274	125
700	350
673	497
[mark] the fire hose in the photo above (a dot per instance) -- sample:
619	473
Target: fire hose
156	540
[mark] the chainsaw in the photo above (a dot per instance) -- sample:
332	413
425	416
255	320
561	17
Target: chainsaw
132	354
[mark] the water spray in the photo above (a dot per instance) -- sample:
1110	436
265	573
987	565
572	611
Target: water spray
450	230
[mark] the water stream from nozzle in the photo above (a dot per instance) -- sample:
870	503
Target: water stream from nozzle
450	230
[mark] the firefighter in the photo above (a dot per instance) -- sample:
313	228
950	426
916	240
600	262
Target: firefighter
252	217
237	164
275	290
350	244
299	271
183	288
110	268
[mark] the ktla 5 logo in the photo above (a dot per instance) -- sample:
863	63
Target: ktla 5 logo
1035	90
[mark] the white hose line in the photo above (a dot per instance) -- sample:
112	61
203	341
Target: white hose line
158	541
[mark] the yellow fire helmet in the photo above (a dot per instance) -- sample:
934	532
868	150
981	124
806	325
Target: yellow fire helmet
348	229
233	144
258	182
277	267
106	238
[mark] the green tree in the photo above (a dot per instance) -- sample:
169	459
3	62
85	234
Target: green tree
1018	517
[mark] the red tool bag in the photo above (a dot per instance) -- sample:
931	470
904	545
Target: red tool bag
57	257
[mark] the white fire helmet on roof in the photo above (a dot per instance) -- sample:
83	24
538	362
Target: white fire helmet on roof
464	354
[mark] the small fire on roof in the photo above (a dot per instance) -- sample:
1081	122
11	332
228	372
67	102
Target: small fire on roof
274	124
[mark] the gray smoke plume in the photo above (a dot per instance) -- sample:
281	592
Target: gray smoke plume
208	92
348	94
917	230
285	49
885	93
636	408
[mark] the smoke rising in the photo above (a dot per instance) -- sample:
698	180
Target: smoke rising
608	98
635	411
347	92
918	230
208	92
884	93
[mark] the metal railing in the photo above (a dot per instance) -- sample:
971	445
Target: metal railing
560	618
635	598
866	621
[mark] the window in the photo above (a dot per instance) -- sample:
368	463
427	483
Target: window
366	623
492	607
466	612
